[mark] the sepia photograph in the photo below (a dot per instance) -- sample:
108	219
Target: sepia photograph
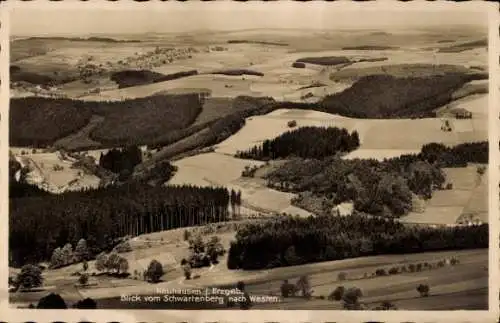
237	157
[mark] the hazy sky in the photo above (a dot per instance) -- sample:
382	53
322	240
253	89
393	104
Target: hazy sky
227	16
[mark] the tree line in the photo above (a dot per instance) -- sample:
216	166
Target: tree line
40	224
128	78
293	241
304	142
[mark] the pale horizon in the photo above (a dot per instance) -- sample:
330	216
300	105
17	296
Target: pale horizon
105	21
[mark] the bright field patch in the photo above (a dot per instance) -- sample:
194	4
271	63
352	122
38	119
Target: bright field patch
51	171
469	196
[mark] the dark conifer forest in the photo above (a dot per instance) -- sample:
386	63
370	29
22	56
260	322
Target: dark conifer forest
304	142
293	241
40	223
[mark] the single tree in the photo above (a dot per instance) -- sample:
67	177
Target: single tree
81	250
154	271
101	261
67	254
304	285
123	265
85	265
57	259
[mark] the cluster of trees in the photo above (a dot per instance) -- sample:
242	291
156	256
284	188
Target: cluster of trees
130	78
39	121
304	142
111	263
294	241
66	256
160	173
39	224
386	96
383	188
121	161
456	156
203	253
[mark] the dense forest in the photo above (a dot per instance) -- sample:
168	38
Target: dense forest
381	188
385	96
40	223
304	142
293	241
128	78
39	122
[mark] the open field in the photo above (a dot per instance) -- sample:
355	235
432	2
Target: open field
374	134
54	173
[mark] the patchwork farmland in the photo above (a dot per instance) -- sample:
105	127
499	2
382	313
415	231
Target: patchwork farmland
321	169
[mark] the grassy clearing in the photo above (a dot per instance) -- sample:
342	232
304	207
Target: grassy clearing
398	70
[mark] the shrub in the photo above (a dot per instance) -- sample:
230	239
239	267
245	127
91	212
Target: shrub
52	301
292	123
30	277
342	276
393	271
454	261
386	306
419	267
412	268
449	186
380	272
351	298
287	289
87	303
423	290
337	294
83	279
